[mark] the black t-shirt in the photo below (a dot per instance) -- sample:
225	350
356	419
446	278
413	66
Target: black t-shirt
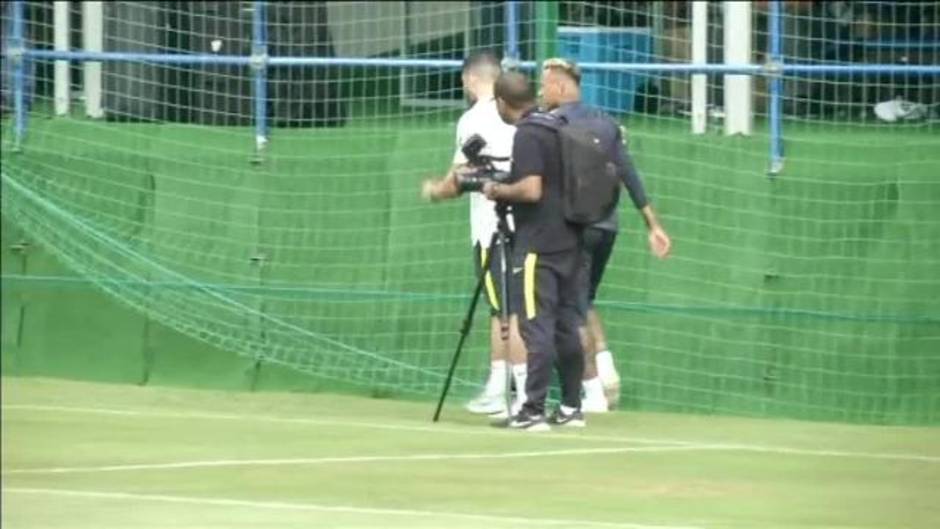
541	226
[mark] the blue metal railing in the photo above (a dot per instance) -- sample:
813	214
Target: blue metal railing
259	52
243	60
18	54
776	89
745	69
260	62
512	30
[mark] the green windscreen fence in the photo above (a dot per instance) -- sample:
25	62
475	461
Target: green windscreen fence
161	250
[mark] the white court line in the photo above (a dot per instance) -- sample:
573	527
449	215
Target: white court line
732	447
277	505
351	459
489	432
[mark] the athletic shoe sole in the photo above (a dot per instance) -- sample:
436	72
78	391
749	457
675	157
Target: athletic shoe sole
589	407
486	408
573	423
536	427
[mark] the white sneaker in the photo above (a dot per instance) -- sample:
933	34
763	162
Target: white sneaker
575	419
900	109
612	392
487	404
513	411
595	404
524	421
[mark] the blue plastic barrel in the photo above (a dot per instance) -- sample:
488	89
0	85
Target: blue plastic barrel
613	91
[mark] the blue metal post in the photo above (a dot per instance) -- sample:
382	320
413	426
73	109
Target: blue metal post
806	70
259	65
17	51
776	89
512	30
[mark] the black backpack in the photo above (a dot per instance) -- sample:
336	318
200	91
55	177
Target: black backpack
590	176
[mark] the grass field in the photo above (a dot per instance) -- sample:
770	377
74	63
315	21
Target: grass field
82	455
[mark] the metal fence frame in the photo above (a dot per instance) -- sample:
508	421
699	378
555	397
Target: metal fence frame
546	18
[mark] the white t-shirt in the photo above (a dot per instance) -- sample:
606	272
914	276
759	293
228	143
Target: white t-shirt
483	119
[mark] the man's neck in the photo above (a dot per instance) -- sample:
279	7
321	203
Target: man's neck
559	104
526	111
484	95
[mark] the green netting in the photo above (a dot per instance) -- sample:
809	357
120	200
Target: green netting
176	259
813	294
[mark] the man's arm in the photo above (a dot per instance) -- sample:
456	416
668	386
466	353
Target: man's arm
649	217
528	189
629	175
528	161
660	244
446	188
442	189
659	241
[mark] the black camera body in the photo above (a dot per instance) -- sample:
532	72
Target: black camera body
484	170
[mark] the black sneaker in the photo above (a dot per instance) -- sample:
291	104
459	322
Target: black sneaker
574	419
525	421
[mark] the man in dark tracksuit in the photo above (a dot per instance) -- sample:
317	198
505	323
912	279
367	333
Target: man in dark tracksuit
545	261
561	93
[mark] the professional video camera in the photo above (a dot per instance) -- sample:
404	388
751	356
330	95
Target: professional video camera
484	170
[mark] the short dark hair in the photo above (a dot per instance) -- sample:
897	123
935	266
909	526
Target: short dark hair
483	61
565	66
515	89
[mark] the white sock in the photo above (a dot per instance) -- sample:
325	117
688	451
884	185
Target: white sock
519	374
567	410
593	389
605	366
496	385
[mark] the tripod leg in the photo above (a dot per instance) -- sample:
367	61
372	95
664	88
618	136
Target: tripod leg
504	289
465	329
504	312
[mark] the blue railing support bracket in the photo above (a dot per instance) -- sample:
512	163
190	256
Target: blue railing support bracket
772	69
259	60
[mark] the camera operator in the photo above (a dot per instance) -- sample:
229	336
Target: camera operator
561	93
545	259
482	122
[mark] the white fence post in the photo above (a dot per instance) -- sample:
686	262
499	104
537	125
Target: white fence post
63	77
738	115
699	56
93	40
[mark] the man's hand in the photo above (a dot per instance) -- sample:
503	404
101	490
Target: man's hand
490	190
459	171
437	190
660	244
429	190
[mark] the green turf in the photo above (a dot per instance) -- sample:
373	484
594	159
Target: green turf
678	470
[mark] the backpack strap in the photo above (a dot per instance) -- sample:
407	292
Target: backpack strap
543	119
560	117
